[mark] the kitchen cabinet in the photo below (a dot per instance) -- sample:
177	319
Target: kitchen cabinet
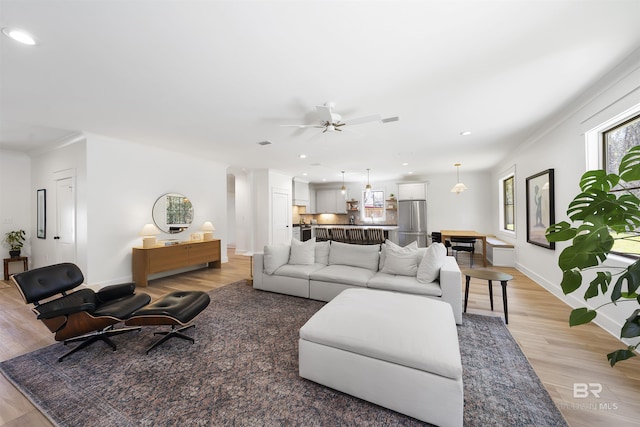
301	193
413	191
330	201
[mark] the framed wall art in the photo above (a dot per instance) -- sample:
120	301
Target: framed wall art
41	205
540	208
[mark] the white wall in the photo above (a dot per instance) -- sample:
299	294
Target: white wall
561	146
16	199
124	180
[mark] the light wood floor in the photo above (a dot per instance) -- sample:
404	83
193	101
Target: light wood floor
561	356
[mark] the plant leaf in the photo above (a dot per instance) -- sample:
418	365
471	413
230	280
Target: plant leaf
590	247
599	180
602	280
593	202
631	327
620	355
629	169
560	232
571	280
580	316
632	277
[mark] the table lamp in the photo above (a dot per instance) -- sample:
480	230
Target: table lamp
208	229
149	233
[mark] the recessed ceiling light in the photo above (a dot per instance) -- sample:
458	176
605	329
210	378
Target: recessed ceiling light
304	174
465	133
410	173
303	156
405	164
324	179
19	36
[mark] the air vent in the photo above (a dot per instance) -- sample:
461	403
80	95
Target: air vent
264	143
390	119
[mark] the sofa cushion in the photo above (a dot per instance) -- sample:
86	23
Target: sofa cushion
322	252
344	274
405	284
303	253
362	256
300	271
402	261
275	256
429	268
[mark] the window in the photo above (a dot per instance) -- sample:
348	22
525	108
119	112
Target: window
508	204
616	141
373	205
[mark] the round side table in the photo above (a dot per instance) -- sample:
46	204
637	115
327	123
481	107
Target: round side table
490	276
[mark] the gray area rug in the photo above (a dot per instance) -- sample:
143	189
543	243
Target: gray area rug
243	371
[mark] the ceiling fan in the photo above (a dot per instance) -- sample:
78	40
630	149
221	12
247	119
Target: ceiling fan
332	122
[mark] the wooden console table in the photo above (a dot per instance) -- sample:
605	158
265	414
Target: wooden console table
165	258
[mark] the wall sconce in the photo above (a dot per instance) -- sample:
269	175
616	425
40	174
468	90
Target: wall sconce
149	233
459	187
208	229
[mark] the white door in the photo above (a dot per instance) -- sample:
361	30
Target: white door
280	216
65	236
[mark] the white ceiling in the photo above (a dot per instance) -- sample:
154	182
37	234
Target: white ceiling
216	77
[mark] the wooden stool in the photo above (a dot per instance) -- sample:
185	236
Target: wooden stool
25	263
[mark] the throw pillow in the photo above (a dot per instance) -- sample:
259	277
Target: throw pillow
275	256
401	261
303	253
322	253
429	268
383	255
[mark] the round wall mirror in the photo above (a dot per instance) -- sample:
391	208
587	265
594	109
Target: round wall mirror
173	213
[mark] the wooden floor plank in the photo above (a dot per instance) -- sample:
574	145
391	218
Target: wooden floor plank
560	355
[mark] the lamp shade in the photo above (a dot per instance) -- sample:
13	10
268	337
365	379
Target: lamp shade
458	188
207	226
149	230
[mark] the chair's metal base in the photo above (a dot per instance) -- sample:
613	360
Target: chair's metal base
103	335
177	333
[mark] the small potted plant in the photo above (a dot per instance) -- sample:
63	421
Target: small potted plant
15	240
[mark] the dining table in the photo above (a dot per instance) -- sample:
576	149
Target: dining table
468	234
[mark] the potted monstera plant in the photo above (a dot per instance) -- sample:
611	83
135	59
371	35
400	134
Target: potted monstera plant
15	241
599	218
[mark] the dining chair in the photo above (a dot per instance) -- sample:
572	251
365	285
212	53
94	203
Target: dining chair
464	244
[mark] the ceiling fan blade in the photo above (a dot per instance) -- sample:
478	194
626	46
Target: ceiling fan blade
325	113
366	119
302	126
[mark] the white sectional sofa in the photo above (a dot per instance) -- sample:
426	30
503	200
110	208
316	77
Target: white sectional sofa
324	269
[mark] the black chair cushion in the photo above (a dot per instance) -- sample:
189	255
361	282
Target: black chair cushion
48	281
109	293
82	300
122	308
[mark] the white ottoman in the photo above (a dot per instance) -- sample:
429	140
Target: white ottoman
396	350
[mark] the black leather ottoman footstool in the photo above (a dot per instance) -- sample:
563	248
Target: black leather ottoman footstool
175	309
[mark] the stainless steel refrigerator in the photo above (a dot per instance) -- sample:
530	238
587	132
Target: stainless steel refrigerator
412	222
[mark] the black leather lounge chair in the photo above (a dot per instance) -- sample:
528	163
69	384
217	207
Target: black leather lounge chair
84	315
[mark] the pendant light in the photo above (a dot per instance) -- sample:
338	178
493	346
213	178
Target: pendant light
367	189
343	190
459	187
